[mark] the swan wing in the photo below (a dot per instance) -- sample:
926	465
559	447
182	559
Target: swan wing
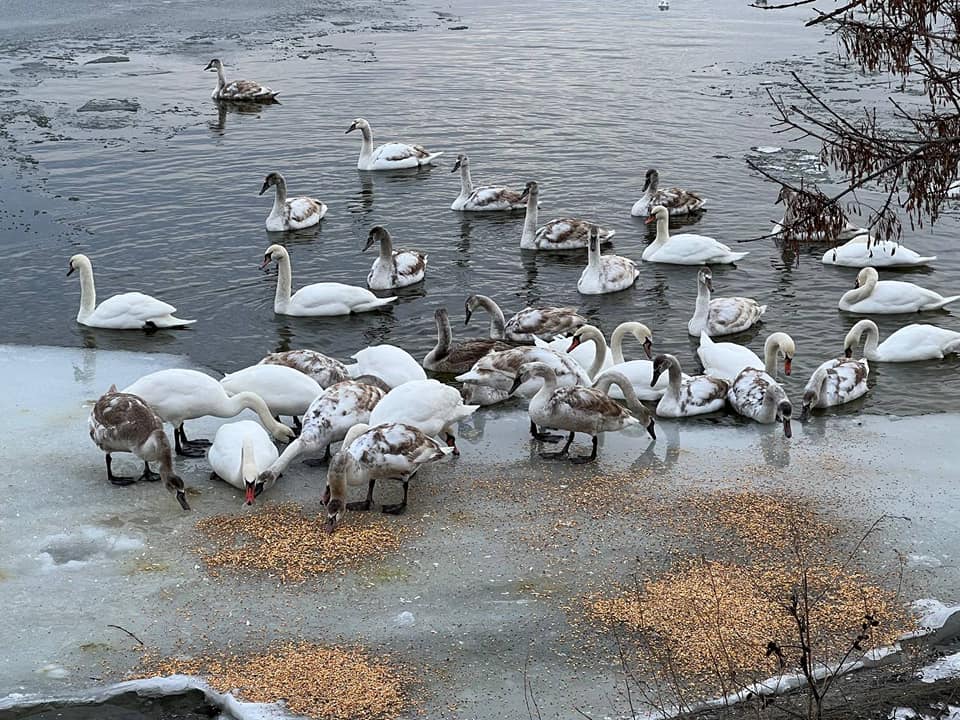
302	210
131	309
490	197
397	152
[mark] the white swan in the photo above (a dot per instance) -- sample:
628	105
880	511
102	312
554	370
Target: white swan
686	248
428	405
393	268
579	409
721	316
908	344
238	90
676	200
835	382
756	395
486	198
318	299
327	420
325	370
498	370
605	273
285	391
123	422
389	156
865	251
177	395
450	357
601	358
638	372
393	451
726	360
240	452
391	364
526	325
686	396
127	311
293	214
890	297
561	234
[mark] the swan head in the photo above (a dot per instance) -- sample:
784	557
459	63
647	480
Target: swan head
784	415
472	303
705	278
274	253
214	65
658	213
270	180
377	234
264	481
810	398
531	189
76	263
661	364
335	509
785	196
462	161
651	180
785	348
867	276
528	371
358	124
174	484
583	333
856	332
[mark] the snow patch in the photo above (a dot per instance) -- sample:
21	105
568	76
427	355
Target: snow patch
943	669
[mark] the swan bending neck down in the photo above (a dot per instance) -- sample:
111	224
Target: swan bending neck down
908	344
497	320
591	333
640	331
890	297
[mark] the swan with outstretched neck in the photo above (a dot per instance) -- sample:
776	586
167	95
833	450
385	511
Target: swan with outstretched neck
127	311
908	344
389	156
290	214
318	299
488	198
177	395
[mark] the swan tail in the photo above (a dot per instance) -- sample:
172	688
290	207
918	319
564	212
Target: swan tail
925	260
373	304
947	301
469	376
607	234
169	321
762	310
739	255
464	411
428	160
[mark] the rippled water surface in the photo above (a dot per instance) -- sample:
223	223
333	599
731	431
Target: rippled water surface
582	97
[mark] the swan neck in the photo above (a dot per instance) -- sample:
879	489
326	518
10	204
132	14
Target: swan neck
444	337
702	307
674	376
248	460
466	182
862	292
88	291
386	247
221	80
251	401
770	349
342	464
279	198
599	353
166	457
870	344
284	284
366	143
616	343
497	322
663	231
529	222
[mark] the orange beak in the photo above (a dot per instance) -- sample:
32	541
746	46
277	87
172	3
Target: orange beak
574	344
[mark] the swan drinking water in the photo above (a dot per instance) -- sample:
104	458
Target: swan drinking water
127	311
389	156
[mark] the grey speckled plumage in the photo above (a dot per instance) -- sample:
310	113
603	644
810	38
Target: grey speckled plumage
450	357
325	370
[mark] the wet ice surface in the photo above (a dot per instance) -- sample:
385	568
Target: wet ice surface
79	555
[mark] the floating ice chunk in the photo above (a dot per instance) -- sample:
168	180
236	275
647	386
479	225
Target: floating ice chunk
405	619
767	149
942	669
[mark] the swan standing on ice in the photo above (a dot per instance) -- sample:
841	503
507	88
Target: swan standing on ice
721	316
605	273
873	296
389	156
482	199
685	248
127	311
293	214
393	268
286	391
908	344
430	406
562	234
123	422
676	200
177	395
240	452
393	451
318	299
238	90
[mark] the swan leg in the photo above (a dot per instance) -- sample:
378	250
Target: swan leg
452	442
216	478
401	506
364	504
561	454
188	448
317	462
117	479
148	474
297	425
582	459
543	436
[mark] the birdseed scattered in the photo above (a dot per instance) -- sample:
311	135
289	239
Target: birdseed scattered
321	682
284	540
